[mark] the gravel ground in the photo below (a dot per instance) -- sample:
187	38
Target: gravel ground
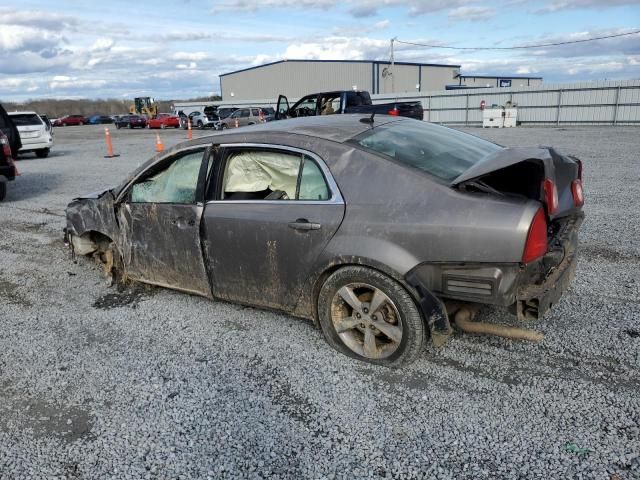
150	383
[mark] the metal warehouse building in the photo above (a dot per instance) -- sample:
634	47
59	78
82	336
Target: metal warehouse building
296	78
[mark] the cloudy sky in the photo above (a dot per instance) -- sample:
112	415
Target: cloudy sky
177	48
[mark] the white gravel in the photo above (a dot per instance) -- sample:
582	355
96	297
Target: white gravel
150	383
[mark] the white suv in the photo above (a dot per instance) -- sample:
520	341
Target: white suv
35	134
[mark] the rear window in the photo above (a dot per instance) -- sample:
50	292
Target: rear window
26	119
442	152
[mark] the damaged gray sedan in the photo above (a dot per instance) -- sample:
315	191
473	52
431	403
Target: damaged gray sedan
366	226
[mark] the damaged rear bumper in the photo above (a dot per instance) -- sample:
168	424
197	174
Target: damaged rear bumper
537	292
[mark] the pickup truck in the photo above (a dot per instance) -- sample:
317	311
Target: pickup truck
344	101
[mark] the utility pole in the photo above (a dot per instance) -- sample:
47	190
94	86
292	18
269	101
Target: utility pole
393	86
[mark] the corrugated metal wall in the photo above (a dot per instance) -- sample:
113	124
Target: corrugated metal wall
298	78
597	103
603	103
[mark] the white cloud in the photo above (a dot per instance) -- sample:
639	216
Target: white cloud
472	14
102	45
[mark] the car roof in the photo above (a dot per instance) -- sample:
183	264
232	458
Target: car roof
337	128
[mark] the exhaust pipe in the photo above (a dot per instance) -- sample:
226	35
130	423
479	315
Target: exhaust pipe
463	318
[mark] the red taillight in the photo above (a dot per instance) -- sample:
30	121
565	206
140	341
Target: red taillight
551	196
536	245
578	194
394	111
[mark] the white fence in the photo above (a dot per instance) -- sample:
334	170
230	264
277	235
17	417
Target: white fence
587	103
595	103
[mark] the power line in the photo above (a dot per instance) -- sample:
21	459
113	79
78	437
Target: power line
521	47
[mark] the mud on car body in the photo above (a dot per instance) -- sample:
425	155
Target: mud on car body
367	226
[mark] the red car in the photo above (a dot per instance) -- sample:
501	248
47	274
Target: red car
70	120
163	120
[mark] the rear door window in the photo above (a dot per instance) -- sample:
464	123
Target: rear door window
273	175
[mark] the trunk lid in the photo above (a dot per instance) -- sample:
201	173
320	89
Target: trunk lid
522	172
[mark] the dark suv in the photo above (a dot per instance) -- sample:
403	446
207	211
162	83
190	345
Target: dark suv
131	121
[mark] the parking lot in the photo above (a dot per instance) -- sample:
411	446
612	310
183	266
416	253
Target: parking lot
97	382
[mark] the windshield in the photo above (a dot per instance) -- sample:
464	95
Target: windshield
25	119
440	151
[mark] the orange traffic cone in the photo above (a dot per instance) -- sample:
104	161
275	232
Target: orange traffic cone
107	139
189	132
159	144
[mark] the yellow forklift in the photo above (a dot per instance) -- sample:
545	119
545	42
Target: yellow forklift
146	106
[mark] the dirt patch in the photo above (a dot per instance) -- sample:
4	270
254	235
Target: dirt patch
123	298
11	294
607	253
632	332
42	418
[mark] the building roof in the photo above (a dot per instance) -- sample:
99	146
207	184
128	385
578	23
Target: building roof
385	62
524	77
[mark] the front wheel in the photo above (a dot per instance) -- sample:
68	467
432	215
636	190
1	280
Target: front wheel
200	125
223	126
369	316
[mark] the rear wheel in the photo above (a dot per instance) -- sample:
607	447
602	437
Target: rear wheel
369	316
200	124
42	153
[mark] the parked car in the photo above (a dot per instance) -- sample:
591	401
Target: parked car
241	117
99	120
131	121
363	226
8	170
204	120
164	120
344	101
224	112
35	134
268	113
10	130
70	120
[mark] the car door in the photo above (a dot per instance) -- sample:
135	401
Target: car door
159	216
261	250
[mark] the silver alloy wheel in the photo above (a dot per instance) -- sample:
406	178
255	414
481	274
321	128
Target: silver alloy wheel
366	320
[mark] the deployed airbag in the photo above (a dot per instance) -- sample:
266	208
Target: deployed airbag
262	170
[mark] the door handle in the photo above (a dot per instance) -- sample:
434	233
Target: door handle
304	224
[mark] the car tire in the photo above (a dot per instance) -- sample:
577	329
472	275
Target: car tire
402	335
130	126
80	124
42	153
200	126
3	190
64	124
223	126
162	126
118	126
